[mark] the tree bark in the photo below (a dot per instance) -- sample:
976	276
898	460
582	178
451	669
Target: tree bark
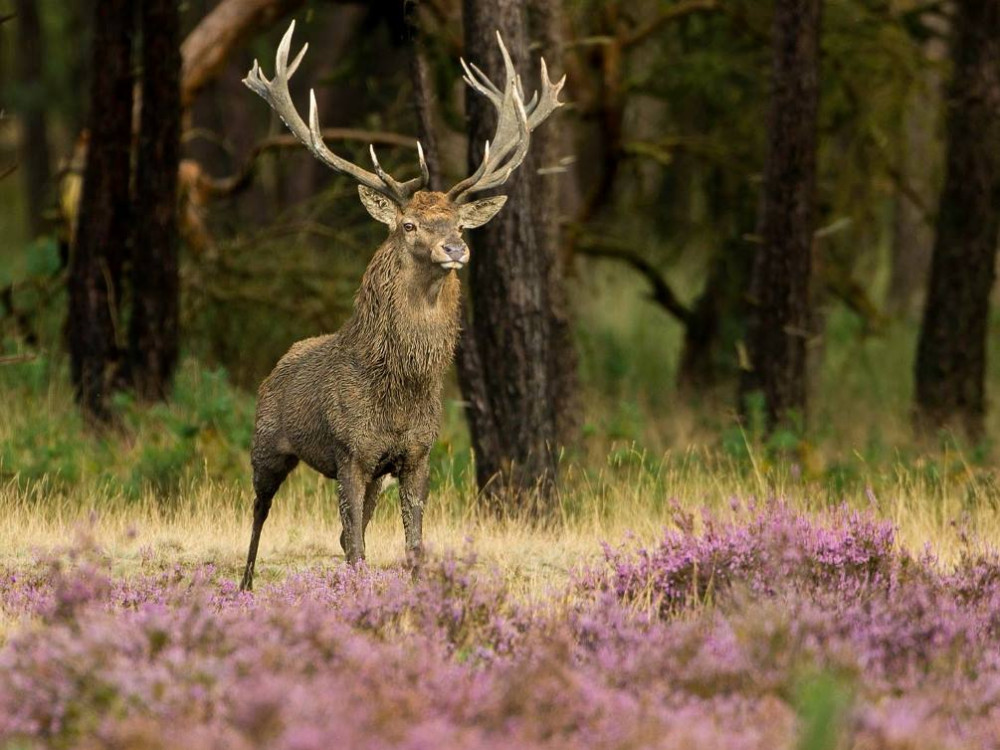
424	103
780	318
104	216
35	158
154	325
512	415
951	353
550	143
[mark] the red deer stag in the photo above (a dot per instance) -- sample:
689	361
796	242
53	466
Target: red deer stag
365	401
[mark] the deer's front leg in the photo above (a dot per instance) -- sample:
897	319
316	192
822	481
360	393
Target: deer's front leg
352	494
412	497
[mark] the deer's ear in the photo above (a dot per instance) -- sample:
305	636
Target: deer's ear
381	208
477	213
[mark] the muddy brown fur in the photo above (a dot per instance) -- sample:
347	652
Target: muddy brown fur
365	401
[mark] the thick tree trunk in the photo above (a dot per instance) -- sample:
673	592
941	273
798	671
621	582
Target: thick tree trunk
511	411
780	318
951	354
104	216
34	159
550	143
154	326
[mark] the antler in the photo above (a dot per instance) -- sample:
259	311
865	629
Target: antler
275	92
515	121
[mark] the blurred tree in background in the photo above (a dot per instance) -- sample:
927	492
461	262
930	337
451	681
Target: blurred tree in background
154	323
951	356
781	319
100	245
35	152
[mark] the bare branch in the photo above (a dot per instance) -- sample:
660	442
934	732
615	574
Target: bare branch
209	45
224	186
16	359
673	13
662	293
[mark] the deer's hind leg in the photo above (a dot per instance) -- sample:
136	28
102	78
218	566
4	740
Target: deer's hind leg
268	476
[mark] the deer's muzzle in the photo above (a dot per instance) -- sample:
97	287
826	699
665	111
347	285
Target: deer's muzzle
456	255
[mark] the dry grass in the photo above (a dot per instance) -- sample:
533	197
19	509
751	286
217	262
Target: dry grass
208	521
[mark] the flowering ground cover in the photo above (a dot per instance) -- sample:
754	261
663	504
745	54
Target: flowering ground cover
774	630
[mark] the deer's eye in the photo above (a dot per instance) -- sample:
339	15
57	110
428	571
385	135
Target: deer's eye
409	226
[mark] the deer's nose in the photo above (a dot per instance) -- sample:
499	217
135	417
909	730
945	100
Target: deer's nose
455	251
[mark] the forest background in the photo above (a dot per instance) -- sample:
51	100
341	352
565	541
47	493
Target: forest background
734	290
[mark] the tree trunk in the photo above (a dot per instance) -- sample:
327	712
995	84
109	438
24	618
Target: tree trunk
919	170
104	216
717	324
34	137
153	330
951	353
710	356
511	409
550	143
780	318
424	103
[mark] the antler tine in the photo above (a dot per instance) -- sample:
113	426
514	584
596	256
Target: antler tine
425	173
541	107
532	103
382	174
498	176
478	80
515	121
281	57
275	93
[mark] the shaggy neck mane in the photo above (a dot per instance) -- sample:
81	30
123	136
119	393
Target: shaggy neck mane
405	323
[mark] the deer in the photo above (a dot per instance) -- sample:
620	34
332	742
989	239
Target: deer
364	403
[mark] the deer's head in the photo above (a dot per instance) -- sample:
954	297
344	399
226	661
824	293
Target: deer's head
428	224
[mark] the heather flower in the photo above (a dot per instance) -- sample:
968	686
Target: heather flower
703	640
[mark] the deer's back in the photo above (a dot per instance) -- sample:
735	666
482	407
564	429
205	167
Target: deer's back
323	399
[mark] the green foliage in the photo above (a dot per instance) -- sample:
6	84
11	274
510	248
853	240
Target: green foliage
204	431
822	707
